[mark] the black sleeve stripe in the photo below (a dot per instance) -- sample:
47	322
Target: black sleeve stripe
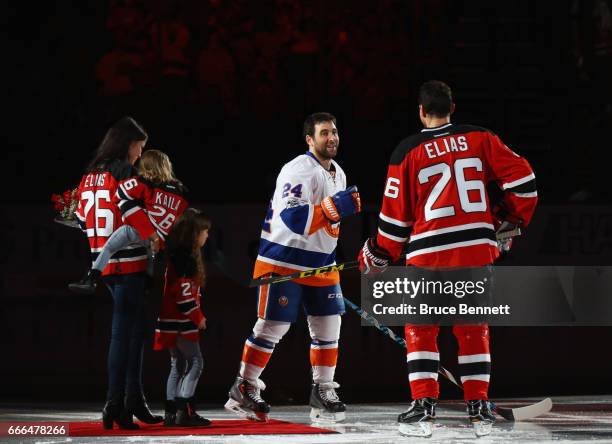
527	187
186	307
393	229
122	194
127	205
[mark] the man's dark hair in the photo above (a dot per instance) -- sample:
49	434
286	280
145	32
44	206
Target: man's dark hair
436	98
313	119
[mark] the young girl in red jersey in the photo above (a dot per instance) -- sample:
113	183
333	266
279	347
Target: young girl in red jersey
181	318
162	195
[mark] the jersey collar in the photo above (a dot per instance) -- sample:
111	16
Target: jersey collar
446	125
332	167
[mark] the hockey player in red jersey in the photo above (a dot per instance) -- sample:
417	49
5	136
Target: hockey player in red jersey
435	201
160	193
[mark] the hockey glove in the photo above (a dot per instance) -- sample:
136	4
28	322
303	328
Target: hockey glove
372	259
501	227
342	204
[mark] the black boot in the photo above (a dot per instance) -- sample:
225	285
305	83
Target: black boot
114	412
137	405
88	284
186	416
170	413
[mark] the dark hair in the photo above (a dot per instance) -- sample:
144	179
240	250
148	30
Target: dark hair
181	242
313	119
117	141
436	98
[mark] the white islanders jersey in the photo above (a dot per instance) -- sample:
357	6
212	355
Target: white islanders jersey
296	236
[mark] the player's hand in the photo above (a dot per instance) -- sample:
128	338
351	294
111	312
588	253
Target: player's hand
202	324
342	204
372	259
504	245
154	240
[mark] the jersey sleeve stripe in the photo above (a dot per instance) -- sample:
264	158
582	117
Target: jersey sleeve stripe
122	193
392	237
393	221
526	187
520	181
450	246
534	194
128	212
456	228
393	230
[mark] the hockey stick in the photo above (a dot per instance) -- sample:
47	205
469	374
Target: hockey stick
305	273
501	236
511	414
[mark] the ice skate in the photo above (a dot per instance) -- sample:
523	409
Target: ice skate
418	420
87	285
481	417
325	404
245	400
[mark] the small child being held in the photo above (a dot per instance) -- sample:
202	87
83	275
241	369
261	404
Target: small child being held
181	318
150	204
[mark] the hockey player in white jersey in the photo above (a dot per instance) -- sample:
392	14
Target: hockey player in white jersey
300	232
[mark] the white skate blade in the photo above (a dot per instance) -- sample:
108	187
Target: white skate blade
320	415
423	429
482	428
235	407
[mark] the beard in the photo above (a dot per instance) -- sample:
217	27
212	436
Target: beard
325	151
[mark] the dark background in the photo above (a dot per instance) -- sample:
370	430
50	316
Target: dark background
223	87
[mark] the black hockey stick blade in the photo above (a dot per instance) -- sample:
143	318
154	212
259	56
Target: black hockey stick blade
305	273
525	412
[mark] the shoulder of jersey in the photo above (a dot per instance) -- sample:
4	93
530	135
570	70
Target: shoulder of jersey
183	262
301	164
120	169
415	140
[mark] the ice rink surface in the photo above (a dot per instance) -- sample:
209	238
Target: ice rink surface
572	420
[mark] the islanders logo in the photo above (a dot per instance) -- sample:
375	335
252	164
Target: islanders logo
283	301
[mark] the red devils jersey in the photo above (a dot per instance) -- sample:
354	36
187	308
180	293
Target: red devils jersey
435	196
181	313
163	203
99	216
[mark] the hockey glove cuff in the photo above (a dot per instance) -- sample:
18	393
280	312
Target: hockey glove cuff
342	204
372	259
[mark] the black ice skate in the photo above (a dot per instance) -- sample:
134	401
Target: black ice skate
87	285
245	400
481	416
325	404
418	420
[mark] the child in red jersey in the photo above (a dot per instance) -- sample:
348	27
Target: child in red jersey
149	203
181	318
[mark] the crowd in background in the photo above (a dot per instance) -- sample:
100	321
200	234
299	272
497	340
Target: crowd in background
212	77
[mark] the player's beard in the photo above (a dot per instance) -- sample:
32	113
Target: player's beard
326	151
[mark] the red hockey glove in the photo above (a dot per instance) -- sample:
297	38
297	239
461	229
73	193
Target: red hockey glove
372	259
342	204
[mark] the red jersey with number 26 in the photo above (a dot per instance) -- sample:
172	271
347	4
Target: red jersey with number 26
99	217
164	203
435	196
